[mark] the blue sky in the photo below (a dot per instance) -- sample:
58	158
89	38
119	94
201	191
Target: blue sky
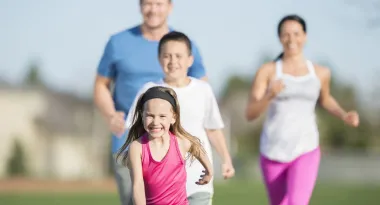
69	36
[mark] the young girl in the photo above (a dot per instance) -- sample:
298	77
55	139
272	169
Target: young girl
200	114
158	145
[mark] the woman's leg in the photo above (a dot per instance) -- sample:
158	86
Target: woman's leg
302	175
275	178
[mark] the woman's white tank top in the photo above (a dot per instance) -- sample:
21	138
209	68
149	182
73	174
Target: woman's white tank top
290	128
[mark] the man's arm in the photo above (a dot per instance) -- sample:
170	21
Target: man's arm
197	70
102	90
105	74
103	97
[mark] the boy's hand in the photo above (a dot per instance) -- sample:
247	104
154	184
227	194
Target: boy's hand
228	170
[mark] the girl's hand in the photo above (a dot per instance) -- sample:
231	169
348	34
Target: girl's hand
205	178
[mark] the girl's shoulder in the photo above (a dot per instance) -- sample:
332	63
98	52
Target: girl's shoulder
183	142
134	152
136	145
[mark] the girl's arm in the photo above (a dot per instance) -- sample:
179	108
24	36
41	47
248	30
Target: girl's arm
203	159
134	157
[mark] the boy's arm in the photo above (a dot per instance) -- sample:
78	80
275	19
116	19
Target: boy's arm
218	141
214	124
134	157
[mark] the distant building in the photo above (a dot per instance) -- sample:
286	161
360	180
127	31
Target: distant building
63	136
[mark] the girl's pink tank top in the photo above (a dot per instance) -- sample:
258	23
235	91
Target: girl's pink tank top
165	180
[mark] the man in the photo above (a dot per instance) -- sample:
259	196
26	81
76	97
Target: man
130	60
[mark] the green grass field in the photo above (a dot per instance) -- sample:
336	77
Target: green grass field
233	193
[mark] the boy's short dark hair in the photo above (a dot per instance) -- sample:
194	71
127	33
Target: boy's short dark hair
174	36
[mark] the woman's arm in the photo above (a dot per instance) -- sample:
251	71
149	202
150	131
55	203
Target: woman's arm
326	100
329	103
134	157
259	97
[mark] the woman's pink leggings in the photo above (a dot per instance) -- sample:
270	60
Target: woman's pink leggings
291	183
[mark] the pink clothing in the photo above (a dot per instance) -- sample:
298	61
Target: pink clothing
165	180
291	183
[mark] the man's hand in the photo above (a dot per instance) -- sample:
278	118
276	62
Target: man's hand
116	123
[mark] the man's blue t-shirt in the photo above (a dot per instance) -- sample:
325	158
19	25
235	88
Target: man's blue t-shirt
130	61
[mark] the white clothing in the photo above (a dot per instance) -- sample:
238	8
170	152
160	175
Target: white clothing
290	129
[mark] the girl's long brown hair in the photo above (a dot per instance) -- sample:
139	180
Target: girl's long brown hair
137	128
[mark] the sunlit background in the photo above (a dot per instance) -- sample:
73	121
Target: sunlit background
55	147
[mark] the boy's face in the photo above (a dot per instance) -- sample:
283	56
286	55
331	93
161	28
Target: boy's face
175	60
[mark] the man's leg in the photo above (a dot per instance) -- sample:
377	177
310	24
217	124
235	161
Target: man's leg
124	183
200	198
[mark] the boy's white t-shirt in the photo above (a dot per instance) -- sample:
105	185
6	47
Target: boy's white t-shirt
199	111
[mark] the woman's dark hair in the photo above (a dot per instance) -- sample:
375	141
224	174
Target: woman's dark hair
292	17
174	36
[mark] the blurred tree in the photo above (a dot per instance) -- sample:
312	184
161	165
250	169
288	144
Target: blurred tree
243	83
16	163
373	111
33	76
234	98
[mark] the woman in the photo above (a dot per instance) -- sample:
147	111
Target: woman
289	146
